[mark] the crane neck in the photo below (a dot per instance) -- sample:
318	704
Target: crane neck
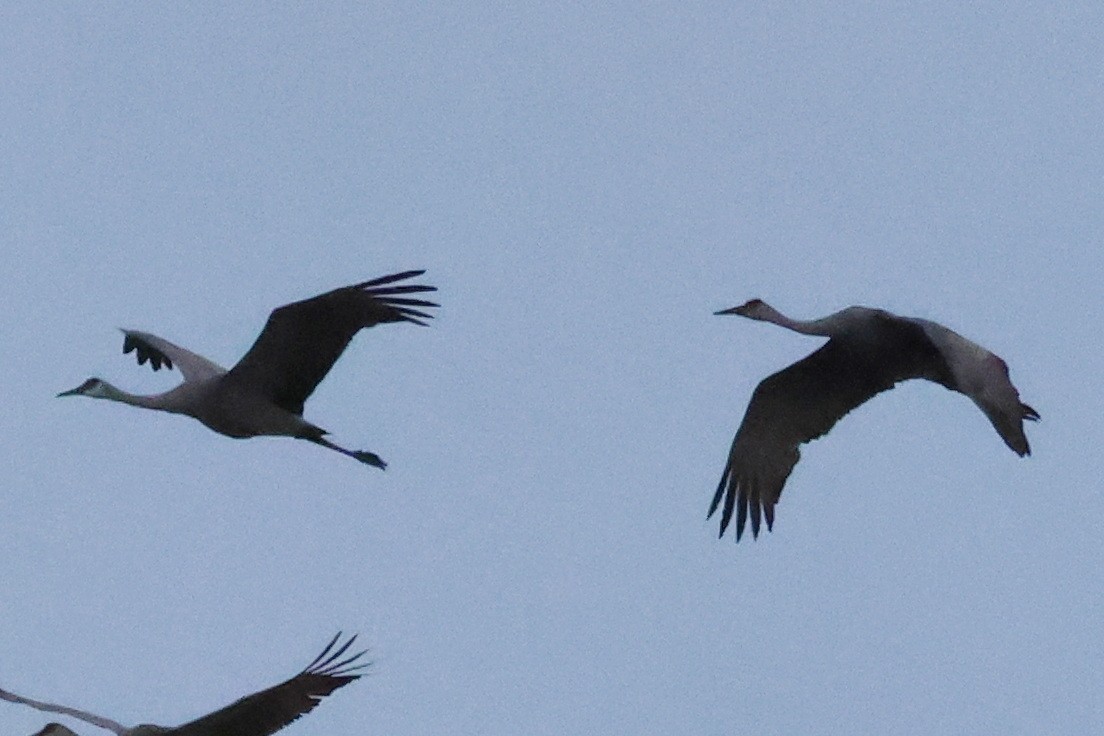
112	393
821	327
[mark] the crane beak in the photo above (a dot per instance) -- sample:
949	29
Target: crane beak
92	387
747	309
81	390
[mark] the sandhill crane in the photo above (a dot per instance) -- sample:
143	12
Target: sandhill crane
869	351
264	393
259	714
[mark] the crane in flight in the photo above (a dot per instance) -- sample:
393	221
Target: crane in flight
264	393
260	714
868	352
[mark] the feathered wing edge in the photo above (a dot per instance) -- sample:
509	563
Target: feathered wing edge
804	401
266	712
64	710
301	341
328	667
749	497
158	351
156	358
401	304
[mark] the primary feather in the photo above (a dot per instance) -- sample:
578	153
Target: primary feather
869	351
261	714
264	393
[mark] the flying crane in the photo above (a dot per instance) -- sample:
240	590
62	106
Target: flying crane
260	714
264	393
868	352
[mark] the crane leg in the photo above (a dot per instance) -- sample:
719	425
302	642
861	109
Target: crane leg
368	458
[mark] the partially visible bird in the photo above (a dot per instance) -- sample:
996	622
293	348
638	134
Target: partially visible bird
869	351
260	714
54	729
264	393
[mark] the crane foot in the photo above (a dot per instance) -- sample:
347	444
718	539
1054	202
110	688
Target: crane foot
370	458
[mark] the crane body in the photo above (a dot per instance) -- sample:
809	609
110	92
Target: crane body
869	351
264	393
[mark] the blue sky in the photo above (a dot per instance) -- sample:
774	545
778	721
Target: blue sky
585	185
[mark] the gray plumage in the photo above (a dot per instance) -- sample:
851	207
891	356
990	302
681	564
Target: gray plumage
264	393
260	714
869	351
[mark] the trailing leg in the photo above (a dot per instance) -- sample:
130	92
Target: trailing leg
368	458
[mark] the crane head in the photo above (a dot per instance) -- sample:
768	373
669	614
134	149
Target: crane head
748	309
93	387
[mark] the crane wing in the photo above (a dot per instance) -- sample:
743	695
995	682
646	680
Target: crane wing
267	711
95	720
159	351
301	341
803	402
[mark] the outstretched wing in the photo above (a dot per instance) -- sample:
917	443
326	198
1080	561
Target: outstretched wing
267	711
301	341
159	351
803	402
95	720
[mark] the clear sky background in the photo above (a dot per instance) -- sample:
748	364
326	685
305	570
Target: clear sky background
585	184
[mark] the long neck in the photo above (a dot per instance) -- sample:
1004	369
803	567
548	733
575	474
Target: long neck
154	401
822	327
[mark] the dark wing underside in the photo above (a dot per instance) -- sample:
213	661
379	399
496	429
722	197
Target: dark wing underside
158	351
301	341
145	351
266	712
803	402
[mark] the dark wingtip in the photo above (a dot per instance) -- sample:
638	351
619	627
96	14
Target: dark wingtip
391	278
322	656
326	664
756	510
741	513
145	353
719	493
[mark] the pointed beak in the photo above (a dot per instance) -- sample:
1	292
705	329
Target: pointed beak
730	310
70	392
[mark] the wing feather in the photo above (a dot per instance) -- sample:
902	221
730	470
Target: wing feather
159	351
301	341
64	710
804	401
266	712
